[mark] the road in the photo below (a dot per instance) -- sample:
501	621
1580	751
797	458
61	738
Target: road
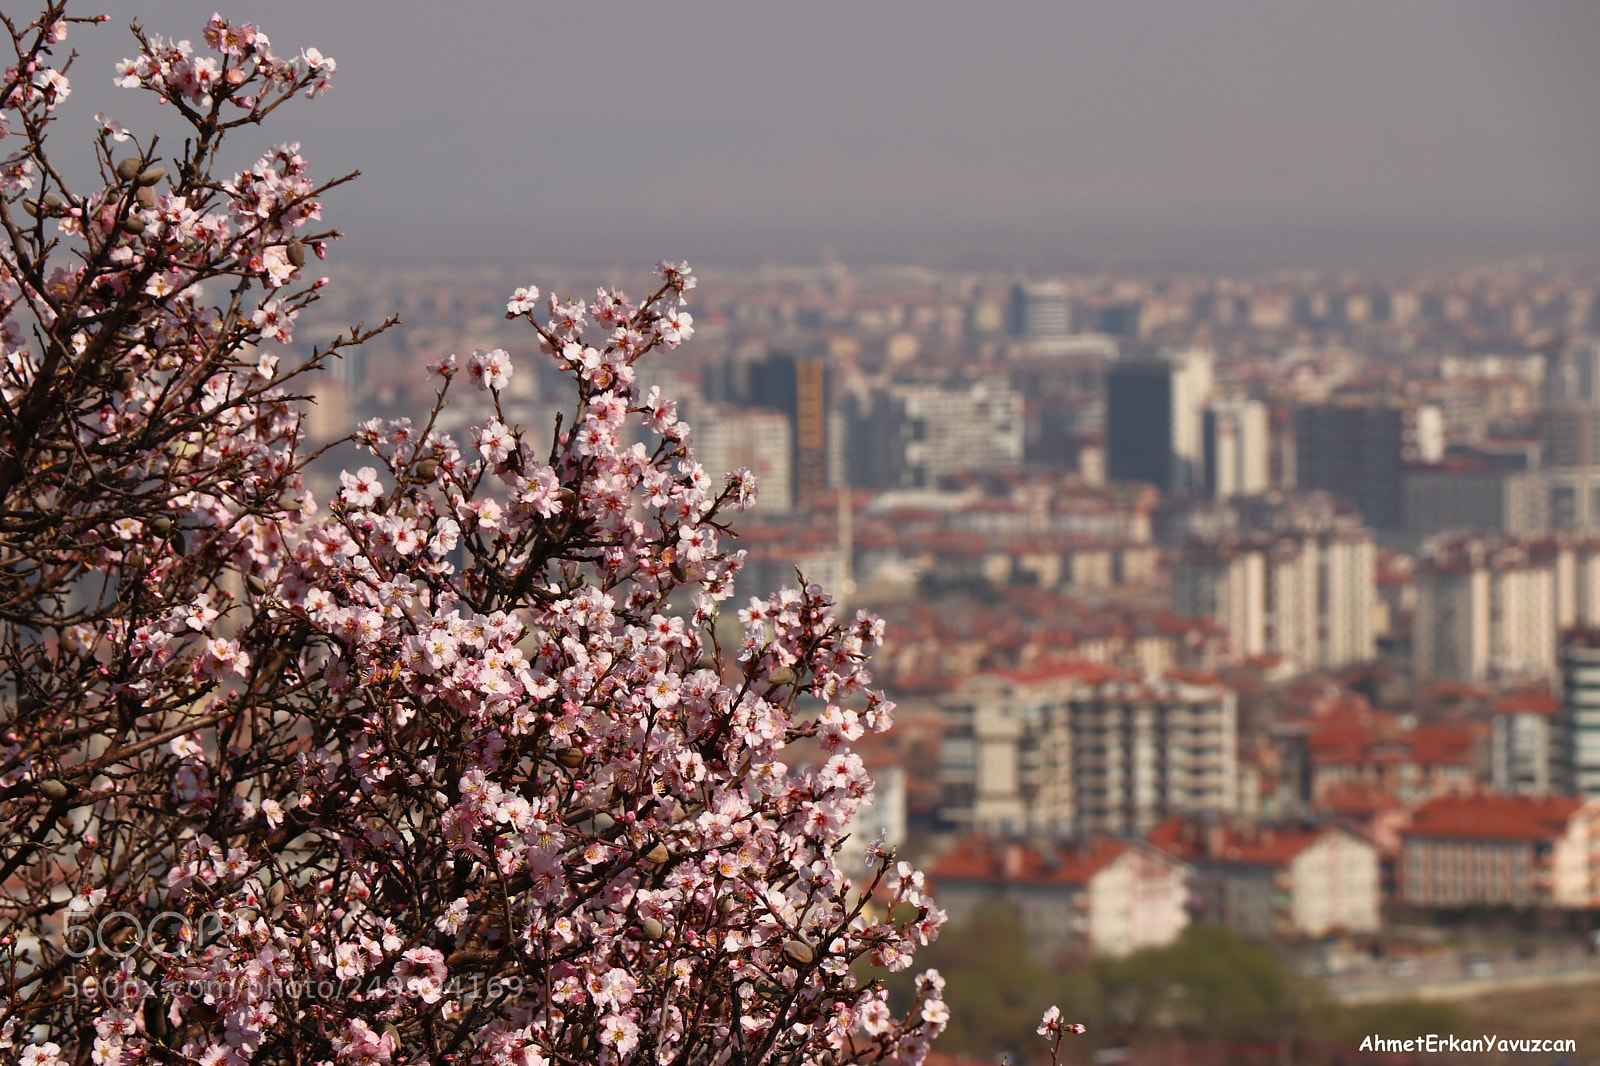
1450	977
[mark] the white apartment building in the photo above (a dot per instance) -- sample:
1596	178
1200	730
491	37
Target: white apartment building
1578	735
1525	743
1575	559
1070	752
1308	596
727	438
1192	383
1277	880
1006	762
1237	447
977	428
1484	612
1107	896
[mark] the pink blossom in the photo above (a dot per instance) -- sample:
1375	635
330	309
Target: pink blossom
494	441
491	369
620	1032
523	300
421	973
361	489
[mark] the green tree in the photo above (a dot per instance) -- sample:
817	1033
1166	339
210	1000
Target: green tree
1209	982
997	985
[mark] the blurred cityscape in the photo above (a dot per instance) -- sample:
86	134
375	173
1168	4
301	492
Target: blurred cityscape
1271	602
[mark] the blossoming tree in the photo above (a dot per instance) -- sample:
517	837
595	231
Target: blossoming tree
449	768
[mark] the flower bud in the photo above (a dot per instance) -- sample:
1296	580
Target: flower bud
297	253
128	169
651	928
152	175
799	953
54	790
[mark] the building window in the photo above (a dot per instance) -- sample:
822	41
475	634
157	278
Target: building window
1564	506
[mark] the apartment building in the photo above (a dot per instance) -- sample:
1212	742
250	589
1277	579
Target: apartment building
1102	895
1485	611
1357	448
1155	426
1084	750
1490	849
1525	743
1306	595
1578	732
728	438
1277	880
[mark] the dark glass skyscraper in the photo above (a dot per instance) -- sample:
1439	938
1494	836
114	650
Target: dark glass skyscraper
1139	422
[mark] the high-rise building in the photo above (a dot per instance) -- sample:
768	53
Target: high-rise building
1575	560
1569	434
1139	430
1358	449
1572	375
910	436
726	439
1571	497
1579	732
1074	753
1041	315
794	385
1484	612
1307	595
1154	420
1524	748
1466	497
1237	447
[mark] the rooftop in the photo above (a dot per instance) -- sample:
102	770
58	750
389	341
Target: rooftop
1491	816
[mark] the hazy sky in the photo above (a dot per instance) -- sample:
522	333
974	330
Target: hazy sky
992	131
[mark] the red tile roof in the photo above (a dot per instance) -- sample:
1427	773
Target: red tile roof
1528	701
1491	816
998	860
1358	801
1258	846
